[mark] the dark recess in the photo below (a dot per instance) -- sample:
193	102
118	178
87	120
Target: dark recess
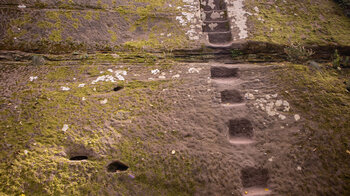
251	176
231	96
116	166
118	88
240	127
223	72
78	158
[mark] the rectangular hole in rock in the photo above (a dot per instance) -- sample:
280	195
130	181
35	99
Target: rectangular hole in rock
231	96
220	37
223	72
240	128
254	177
240	131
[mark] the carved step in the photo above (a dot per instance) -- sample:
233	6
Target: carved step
214	15
220	37
223	26
208	5
254	181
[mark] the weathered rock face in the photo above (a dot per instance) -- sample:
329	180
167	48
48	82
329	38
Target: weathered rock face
60	30
59	3
63	26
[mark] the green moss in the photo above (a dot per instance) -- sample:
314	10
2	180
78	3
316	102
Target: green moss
125	12
134	57
325	89
167	178
142	44
56	172
56	32
19	22
44	168
45	24
15	24
40	5
53	15
152	85
76	25
322	99
97	15
306	22
44	113
56	35
59	74
152	17
70	18
113	35
88	15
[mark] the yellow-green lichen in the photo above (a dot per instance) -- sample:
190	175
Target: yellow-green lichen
306	22
113	35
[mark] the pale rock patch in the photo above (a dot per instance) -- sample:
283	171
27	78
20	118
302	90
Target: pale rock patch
155	71
238	14
63	88
279	103
194	70
32	78
104	78
104	101
282	117
249	96
65	127
212	26
176	76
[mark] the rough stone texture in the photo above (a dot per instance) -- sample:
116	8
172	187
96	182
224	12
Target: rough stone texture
60	26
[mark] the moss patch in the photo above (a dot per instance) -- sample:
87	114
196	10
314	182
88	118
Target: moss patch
35	156
322	98
309	22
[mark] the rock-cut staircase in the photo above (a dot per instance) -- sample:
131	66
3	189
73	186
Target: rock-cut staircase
215	22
